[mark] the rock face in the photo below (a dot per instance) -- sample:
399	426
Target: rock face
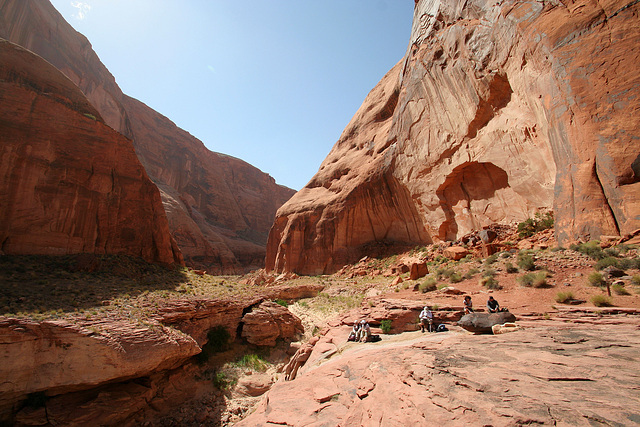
496	110
220	209
482	323
69	183
264	324
545	375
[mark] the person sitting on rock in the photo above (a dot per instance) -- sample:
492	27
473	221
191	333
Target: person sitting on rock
365	331
426	319
493	306
353	335
468	305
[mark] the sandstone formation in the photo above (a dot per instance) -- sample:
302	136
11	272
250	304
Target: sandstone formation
547	375
269	321
497	110
69	183
220	209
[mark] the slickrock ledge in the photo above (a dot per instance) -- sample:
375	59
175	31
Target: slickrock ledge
544	374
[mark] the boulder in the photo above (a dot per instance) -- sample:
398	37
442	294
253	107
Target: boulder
481	323
418	270
254	385
487	235
267	322
455	252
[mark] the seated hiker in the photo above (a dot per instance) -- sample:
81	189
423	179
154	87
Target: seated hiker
353	335
426	319
365	331
468	305
493	306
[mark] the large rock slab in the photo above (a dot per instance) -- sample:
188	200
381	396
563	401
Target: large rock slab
496	110
481	323
68	182
548	375
267	322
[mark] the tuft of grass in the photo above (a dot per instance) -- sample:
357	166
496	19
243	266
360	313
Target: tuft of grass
526	262
596	279
620	289
601	301
253	362
535	280
428	285
511	269
490	282
385	325
591	249
636	280
491	259
455	277
563	297
609	261
539	222
282	302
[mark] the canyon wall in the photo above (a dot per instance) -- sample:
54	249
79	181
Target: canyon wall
68	182
220	209
497	111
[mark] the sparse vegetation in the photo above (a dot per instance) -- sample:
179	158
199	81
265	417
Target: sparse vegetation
596	279
491	259
533	225
252	361
510	268
490	282
526	262
282	302
636	280
385	325
620	289
601	301
591	249
429	284
564	297
535	280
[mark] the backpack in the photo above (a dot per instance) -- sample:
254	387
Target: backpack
441	328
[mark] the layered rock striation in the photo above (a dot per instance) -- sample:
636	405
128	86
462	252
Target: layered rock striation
69	183
220	209
497	110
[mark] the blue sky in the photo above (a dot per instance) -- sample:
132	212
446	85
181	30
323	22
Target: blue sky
272	82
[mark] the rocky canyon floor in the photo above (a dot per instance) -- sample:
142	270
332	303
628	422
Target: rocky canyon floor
574	360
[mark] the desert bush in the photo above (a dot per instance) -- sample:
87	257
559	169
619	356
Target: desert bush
607	262
489	272
596	279
428	285
472	272
535	280
252	361
592	249
636	280
526	262
282	302
385	325
490	282
620	289
510	268
455	277
491	259
601	301
563	297
539	222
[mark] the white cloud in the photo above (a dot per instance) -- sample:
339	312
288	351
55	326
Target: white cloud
83	9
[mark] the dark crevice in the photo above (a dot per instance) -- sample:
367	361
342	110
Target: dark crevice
604	196
389	107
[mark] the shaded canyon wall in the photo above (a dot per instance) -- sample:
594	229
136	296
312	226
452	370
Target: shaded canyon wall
497	110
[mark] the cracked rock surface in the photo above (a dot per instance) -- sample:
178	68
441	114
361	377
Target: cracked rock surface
550	373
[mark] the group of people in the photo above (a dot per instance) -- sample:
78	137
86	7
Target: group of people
492	305
361	331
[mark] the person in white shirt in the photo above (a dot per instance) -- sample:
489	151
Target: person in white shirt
426	319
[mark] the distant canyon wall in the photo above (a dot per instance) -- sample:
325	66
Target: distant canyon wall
497	110
219	208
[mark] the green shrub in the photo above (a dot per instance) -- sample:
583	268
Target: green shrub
385	325
282	302
564	297
607	262
252	361
490	282
636	280
472	272
510	268
455	277
620	289
489	272
592	249
526	262
535	280
491	259
627	264
428	285
596	279
531	226
222	381
601	301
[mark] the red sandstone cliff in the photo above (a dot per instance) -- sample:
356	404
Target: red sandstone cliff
68	182
496	110
220	209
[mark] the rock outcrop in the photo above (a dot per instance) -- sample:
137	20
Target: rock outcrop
483	323
545	375
220	209
269	321
68	182
497	110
